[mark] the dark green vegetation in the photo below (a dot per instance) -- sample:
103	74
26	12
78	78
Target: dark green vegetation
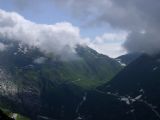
42	86
138	85
15	116
4	116
89	70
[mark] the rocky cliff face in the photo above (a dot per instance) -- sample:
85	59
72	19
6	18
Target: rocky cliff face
7	86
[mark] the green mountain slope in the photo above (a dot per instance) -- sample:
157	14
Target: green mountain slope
89	70
37	84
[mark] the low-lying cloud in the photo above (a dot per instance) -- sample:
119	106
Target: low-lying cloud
60	39
110	43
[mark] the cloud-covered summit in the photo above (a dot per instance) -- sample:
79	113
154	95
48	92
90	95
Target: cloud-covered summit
60	39
140	18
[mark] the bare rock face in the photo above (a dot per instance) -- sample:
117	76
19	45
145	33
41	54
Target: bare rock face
7	85
24	97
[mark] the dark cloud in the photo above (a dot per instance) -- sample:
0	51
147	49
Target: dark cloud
139	17
146	42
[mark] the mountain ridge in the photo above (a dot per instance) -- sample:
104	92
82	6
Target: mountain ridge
46	85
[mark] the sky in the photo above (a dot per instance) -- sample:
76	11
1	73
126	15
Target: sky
104	39
112	27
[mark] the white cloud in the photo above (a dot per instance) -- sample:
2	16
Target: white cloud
111	37
113	50
139	17
110	44
60	38
48	38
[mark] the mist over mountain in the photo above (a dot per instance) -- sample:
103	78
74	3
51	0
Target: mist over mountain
60	39
32	80
79	60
